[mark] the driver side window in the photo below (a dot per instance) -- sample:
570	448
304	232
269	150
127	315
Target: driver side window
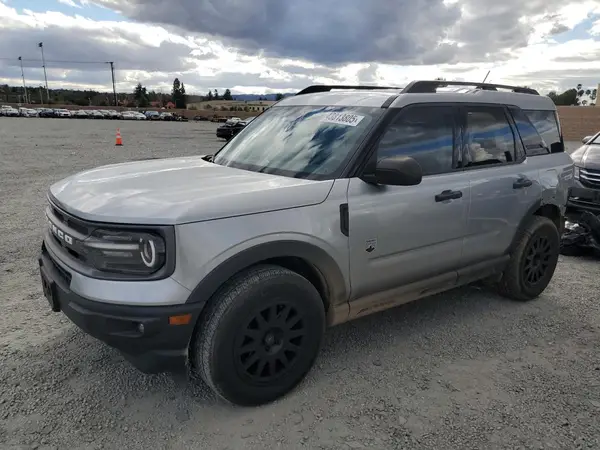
425	133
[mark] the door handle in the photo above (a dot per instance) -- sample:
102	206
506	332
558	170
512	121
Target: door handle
522	183
448	195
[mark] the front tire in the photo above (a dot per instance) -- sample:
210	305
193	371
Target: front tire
259	336
533	261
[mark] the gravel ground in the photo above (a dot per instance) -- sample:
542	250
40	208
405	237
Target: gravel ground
462	370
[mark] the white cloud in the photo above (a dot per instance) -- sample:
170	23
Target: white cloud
595	30
155	53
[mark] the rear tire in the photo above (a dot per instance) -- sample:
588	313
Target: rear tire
533	261
259	336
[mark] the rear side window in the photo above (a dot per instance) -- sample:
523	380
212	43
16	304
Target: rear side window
546	124
532	141
489	138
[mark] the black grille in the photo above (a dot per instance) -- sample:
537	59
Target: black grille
72	253
590	178
70	221
76	228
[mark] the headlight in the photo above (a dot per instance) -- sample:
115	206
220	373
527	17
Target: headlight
126	252
576	172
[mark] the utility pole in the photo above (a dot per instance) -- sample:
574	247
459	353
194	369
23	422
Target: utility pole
112	72
41	98
23	76
41	46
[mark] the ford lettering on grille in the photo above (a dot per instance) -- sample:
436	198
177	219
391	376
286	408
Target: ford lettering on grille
60	234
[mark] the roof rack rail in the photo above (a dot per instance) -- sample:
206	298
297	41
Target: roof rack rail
425	87
326	88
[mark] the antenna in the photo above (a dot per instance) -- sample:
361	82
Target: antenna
488	74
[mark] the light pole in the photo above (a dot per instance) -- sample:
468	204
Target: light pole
41	46
23	76
112	71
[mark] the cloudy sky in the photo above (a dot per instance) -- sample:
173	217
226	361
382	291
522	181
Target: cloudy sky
258	46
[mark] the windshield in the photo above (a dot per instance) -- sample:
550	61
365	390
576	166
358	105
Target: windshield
312	142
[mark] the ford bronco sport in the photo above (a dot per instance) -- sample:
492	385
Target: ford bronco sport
331	205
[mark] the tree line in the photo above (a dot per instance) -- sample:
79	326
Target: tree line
574	97
178	96
140	97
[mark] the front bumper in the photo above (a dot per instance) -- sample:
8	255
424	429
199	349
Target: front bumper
147	336
582	198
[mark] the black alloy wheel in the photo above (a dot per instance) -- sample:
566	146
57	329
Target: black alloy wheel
537	260
269	344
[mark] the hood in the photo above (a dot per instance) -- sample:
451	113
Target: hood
179	190
587	156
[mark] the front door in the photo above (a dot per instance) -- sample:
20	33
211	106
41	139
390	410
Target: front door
403	234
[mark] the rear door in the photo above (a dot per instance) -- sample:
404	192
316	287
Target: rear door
504	185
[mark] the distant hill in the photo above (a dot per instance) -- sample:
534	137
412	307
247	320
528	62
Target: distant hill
255	97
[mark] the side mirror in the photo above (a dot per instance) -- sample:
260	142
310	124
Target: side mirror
586	139
394	171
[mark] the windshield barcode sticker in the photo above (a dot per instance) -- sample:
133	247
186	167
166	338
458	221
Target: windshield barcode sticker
343	118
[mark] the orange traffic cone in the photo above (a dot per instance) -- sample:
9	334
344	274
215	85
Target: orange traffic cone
119	140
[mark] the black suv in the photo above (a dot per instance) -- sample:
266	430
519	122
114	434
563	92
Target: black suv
229	129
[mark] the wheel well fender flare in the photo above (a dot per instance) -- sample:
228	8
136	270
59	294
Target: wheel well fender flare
539	208
324	268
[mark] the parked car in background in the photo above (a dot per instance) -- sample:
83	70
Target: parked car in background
180	118
27	112
129	115
152	115
239	126
167	116
585	194
232	127
225	131
201	118
9	111
246	121
80	114
47	112
62	113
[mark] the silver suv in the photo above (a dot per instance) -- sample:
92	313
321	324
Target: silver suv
585	193
333	204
